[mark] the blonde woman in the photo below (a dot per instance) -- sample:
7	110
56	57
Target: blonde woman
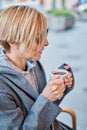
27	102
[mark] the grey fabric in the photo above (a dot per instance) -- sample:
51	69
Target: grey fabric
21	107
16	105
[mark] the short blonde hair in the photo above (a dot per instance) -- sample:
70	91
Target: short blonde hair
22	25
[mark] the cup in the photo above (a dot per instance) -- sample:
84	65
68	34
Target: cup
63	73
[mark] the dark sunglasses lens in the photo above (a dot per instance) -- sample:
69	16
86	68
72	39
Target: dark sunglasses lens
47	31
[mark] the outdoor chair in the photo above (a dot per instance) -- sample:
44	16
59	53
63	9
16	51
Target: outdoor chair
72	114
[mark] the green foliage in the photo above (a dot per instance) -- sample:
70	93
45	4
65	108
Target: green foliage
0	10
85	10
56	12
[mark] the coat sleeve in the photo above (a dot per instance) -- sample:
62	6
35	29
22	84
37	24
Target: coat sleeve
41	118
13	117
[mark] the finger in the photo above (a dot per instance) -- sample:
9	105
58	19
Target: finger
57	89
69	85
62	88
59	96
67	80
69	75
57	81
67	67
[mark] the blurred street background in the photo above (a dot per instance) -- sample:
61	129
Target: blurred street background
66	46
70	47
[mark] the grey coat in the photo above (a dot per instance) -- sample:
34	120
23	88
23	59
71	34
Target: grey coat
23	108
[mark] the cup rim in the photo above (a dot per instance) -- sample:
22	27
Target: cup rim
60	70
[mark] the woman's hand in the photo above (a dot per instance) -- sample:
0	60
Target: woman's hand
54	89
68	80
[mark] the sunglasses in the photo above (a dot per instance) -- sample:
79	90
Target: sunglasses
39	39
47	31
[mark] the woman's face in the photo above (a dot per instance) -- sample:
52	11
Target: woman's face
35	53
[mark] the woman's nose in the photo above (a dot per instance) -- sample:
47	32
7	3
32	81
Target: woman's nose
46	43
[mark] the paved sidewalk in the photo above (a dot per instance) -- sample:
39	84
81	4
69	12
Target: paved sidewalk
70	47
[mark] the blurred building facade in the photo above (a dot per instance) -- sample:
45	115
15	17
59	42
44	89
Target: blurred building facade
48	3
60	3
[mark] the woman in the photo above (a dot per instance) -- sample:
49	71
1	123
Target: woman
27	102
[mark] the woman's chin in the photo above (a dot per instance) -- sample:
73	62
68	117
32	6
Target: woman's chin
37	58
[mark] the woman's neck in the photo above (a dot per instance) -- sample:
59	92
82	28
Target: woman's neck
18	62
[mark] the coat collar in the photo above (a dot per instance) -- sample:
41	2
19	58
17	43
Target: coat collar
11	77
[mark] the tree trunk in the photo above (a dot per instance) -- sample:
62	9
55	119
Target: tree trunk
63	4
54	4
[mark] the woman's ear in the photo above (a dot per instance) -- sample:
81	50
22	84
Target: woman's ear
13	45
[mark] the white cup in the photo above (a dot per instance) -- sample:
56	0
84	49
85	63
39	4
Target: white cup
61	72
